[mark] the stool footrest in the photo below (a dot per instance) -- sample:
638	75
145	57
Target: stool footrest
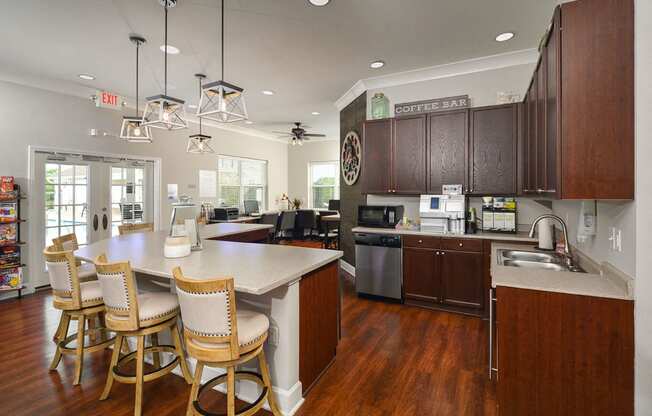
100	345
150	375
249	409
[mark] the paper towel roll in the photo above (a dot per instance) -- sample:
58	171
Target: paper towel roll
546	232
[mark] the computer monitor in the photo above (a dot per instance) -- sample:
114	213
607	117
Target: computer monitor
334	205
251	206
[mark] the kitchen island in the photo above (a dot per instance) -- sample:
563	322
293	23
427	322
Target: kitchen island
298	288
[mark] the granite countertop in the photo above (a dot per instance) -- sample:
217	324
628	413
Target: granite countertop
520	236
256	268
597	284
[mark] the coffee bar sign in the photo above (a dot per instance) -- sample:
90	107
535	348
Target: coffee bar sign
431	106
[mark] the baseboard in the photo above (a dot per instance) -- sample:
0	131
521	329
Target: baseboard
347	267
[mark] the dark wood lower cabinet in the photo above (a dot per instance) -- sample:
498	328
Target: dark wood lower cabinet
561	354
461	275
444	273
421	280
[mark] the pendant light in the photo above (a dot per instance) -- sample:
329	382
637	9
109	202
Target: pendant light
132	129
163	111
221	101
199	143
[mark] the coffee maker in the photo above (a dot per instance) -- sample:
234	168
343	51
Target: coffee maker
444	213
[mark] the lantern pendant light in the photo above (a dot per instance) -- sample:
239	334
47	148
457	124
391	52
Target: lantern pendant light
163	111
199	143
222	101
132	129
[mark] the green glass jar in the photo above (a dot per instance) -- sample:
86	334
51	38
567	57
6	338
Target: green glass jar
379	106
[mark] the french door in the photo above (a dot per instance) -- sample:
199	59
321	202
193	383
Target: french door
89	196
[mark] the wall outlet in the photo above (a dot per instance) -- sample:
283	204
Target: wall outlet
615	239
619	241
273	336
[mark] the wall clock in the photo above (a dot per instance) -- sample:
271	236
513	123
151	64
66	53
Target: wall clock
351	157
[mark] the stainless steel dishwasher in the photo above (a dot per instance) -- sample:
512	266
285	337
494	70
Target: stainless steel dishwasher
378	266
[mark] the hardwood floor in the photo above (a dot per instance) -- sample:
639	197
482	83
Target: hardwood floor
392	360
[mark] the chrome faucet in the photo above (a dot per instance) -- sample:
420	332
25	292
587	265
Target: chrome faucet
564	229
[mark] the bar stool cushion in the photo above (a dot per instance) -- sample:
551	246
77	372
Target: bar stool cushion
251	327
91	291
156	306
86	270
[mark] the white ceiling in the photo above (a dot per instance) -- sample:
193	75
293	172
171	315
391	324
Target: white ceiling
310	56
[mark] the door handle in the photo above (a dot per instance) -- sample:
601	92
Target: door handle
105	221
95	222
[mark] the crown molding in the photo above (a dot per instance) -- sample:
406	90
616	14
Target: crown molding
453	69
74	89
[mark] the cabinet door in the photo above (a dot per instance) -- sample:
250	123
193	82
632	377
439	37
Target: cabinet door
532	137
541	125
553	121
409	155
376	158
447	149
493	150
461	277
421	275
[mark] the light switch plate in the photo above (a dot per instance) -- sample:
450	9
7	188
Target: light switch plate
273	336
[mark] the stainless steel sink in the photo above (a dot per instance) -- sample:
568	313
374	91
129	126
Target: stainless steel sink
529	256
535	260
535	265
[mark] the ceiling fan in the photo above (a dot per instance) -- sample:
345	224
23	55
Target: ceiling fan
298	134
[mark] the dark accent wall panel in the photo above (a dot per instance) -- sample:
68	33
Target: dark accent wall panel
352	117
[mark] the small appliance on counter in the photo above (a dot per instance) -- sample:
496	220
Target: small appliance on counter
444	213
380	216
226	214
499	214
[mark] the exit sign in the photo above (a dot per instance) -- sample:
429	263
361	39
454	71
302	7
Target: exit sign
106	99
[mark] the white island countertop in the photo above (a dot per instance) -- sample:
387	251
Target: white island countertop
256	268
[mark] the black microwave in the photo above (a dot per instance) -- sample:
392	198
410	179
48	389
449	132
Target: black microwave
380	216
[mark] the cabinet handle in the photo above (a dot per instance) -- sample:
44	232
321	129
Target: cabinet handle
540	191
436	253
420	241
491	334
461	245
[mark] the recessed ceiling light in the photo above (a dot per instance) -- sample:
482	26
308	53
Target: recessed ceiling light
249	122
503	37
87	77
377	64
172	50
192	106
316	113
267	92
319	2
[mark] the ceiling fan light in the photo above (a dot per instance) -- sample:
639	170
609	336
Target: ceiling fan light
165	112
222	102
199	144
134	131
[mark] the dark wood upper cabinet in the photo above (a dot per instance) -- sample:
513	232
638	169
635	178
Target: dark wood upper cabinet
582	98
421	280
597	74
376	156
493	151
447	149
461	274
409	155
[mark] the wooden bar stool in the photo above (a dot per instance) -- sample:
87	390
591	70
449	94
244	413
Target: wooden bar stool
68	242
125	229
217	335
81	301
130	314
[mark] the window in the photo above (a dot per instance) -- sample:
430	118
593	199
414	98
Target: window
65	201
240	180
127	196
324	183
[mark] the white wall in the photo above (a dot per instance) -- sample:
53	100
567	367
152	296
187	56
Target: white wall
481	87
299	157
643	305
31	116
